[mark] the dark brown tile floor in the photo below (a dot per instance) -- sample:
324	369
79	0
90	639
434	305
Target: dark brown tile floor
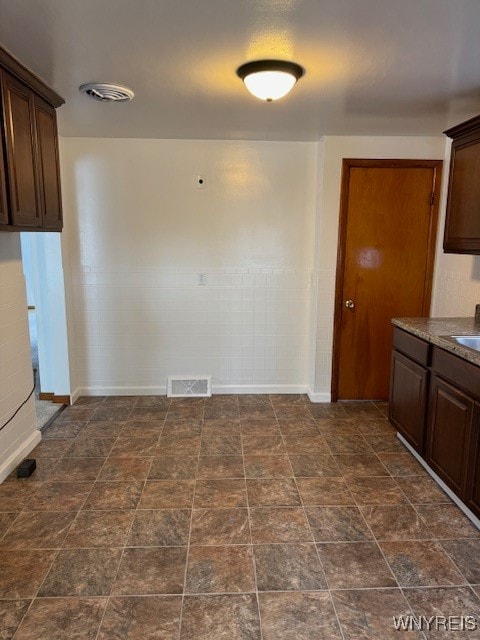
234	517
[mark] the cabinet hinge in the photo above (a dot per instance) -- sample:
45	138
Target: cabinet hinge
432	198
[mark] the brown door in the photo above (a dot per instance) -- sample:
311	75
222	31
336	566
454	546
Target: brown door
385	262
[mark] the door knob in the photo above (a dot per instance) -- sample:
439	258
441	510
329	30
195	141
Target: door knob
350	304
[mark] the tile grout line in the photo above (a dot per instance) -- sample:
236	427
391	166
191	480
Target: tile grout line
438	541
180	622
332	601
36	593
107	601
357	504
108	596
374	538
254	563
383	554
337	618
435	539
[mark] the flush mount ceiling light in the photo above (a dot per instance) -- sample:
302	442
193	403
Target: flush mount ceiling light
106	91
270	79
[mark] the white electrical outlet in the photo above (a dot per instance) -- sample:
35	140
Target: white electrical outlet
202	279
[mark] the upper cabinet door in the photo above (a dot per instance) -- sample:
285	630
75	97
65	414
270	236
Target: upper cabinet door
48	164
18	104
4	218
462	224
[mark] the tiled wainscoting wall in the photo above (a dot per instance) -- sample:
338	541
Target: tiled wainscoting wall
16	380
457	292
323	336
247	328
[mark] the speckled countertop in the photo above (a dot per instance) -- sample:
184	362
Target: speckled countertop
437	331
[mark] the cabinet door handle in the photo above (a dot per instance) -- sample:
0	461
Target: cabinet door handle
350	304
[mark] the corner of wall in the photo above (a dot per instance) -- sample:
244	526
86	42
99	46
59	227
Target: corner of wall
20	436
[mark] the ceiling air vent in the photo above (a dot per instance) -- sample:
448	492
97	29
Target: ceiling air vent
106	92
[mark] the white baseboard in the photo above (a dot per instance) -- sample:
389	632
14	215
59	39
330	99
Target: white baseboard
216	389
75	395
471	516
319	397
17	456
122	391
259	388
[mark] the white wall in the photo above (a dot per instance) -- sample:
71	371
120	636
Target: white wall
139	232
457	288
331	151
19	437
42	265
28	270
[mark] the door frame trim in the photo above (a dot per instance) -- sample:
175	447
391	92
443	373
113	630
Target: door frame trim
347	165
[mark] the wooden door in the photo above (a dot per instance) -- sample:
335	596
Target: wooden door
408	399
48	164
18	104
449	431
388	224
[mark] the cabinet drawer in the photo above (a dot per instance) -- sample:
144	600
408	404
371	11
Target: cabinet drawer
462	374
413	347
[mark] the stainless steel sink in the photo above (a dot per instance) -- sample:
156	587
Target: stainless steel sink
472	342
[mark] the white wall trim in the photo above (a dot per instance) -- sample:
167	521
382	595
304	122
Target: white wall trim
260	388
471	516
219	389
319	397
18	455
74	396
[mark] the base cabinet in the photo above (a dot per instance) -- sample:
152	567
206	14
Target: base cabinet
451	415
472	496
408	399
435	406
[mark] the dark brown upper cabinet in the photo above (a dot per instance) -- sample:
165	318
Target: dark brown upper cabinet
462	224
19	110
4	210
30	196
48	165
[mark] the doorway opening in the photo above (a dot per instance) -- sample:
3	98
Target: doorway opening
386	250
43	271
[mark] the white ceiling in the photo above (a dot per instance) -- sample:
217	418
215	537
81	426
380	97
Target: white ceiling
374	67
